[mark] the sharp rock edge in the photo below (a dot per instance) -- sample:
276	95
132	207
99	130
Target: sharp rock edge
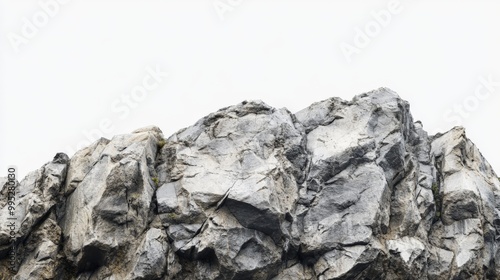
340	190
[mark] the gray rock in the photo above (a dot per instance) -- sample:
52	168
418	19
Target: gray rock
42	253
340	190
81	164
297	271
469	190
112	205
36	196
151	257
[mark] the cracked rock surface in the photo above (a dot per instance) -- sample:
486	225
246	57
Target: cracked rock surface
340	190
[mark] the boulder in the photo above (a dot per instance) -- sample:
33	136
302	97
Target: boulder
339	190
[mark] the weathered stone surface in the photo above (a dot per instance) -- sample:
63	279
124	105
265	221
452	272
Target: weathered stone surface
340	190
36	197
42	253
150	260
81	164
112	206
470	210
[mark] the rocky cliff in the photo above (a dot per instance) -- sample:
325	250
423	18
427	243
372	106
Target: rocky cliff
340	190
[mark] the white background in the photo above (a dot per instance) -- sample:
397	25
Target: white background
61	79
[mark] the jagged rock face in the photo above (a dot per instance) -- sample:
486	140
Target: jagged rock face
470	207
340	190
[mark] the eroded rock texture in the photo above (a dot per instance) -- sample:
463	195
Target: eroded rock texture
340	190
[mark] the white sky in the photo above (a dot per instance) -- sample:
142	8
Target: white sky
71	72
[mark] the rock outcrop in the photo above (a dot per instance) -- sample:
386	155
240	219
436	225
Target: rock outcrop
340	190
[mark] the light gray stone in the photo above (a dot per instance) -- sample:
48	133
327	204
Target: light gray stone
151	256
339	190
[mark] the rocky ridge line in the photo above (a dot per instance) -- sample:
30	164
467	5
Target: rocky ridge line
340	190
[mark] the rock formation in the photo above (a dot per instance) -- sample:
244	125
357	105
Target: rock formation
340	190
